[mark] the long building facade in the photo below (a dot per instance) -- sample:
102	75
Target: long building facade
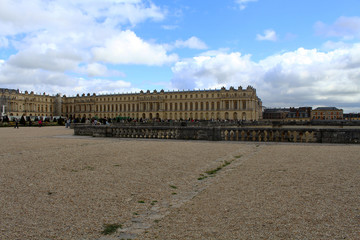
221	104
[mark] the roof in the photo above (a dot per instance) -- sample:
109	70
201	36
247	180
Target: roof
326	108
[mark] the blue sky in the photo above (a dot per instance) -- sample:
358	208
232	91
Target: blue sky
295	53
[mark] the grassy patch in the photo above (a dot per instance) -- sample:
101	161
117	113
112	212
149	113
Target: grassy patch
202	177
174	193
90	168
174	187
141	201
153	202
210	173
238	156
110	228
213	171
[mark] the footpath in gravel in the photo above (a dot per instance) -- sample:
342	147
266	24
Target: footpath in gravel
54	185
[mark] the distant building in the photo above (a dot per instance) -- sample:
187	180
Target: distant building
327	113
275	113
299	114
288	114
352	116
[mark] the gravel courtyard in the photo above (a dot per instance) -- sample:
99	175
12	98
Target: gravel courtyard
54	185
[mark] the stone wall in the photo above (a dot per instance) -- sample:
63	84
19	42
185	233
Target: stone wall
223	133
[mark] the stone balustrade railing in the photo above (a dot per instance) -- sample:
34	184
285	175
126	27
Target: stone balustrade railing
223	133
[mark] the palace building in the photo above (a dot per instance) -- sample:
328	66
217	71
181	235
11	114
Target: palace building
220	104
15	103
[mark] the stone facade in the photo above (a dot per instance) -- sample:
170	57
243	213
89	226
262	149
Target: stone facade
20	104
231	104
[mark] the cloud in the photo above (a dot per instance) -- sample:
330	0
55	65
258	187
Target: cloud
17	76
54	41
192	42
127	48
330	45
170	27
57	82
344	27
99	70
102	86
207	71
269	35
305	77
27	16
243	3
4	42
47	59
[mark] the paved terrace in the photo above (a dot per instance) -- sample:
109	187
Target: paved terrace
54	185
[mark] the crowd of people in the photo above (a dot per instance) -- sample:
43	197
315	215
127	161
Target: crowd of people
64	121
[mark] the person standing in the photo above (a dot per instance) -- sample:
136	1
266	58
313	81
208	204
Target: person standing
16	123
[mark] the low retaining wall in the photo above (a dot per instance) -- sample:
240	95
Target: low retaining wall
223	133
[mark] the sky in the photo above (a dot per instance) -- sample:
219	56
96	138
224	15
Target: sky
294	52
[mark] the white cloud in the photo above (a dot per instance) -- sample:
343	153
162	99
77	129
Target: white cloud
27	16
46	59
127	48
4	42
269	35
299	78
96	69
212	53
53	42
170	27
330	45
57	82
192	42
344	27
99	70
214	71
243	3
102	86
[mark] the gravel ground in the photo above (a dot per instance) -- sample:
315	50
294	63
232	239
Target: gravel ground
54	185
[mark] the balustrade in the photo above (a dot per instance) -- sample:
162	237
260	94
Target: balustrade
223	133
268	135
